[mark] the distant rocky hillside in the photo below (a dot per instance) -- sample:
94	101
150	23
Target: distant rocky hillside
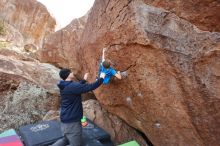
170	53
29	17
27	87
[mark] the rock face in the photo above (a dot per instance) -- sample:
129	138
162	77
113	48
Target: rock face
170	51
117	128
202	13
27	91
30	17
11	37
172	85
62	47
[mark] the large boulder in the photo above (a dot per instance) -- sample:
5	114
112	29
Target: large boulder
62	47
170	55
27	91
202	13
12	44
117	128
171	92
10	38
30	17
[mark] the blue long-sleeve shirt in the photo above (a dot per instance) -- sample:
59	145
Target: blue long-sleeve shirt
71	102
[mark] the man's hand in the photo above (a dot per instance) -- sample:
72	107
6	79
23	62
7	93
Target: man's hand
102	75
86	76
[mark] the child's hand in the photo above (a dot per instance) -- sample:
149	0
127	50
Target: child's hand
118	75
104	50
102	75
86	76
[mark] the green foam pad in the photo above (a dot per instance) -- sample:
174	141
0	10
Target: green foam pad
9	132
131	143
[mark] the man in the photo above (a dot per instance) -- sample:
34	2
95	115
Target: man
71	106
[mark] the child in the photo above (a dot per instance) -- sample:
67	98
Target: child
107	69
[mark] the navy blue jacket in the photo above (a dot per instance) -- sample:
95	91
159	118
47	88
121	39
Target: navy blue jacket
71	102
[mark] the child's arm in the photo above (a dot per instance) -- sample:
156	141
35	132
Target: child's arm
103	54
118	75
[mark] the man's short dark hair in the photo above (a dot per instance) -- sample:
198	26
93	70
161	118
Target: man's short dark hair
64	73
106	64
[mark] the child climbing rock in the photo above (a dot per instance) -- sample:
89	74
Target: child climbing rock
105	67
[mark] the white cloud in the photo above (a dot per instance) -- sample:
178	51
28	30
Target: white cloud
65	11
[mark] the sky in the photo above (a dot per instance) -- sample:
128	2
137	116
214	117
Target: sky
64	11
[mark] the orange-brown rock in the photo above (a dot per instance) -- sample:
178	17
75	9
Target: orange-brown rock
27	91
202	13
170	52
120	132
11	37
16	55
30	17
171	92
62	47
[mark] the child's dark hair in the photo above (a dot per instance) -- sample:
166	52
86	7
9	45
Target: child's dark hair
106	64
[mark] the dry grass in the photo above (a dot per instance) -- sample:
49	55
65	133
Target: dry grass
2	28
4	44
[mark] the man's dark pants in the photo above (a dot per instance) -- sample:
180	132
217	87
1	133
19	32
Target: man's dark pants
72	134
